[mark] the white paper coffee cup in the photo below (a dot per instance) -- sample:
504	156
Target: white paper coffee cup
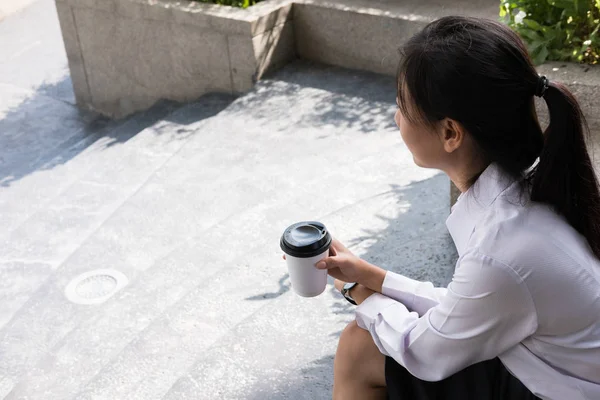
305	244
307	280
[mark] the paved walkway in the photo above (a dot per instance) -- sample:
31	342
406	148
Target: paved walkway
188	203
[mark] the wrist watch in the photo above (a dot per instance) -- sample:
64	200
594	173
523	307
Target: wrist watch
346	291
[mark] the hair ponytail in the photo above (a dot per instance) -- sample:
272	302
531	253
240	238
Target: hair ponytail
564	176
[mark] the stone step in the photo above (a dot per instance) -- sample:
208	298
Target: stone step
96	161
84	187
55	150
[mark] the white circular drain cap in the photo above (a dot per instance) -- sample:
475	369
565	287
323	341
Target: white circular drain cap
95	287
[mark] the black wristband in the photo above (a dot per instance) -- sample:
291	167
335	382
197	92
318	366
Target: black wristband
346	292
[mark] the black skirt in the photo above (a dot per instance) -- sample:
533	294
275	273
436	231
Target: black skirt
482	381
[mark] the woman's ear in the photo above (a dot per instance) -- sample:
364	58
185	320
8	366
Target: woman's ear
452	135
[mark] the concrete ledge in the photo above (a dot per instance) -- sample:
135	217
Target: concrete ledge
350	38
367	34
125	55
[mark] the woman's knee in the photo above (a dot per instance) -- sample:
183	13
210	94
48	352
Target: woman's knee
356	344
359	358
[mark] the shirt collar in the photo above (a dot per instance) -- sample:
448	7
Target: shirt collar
472	203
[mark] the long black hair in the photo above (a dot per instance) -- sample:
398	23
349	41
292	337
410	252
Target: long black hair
478	73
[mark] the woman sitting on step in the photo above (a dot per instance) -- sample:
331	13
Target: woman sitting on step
521	317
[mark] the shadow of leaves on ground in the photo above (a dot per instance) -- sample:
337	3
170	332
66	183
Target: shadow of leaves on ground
40	130
284	287
326	92
312	382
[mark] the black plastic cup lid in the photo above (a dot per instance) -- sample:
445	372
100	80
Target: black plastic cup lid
305	239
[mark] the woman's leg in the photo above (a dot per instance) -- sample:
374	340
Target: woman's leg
359	366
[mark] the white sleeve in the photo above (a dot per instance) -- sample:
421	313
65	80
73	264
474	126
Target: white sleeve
415	295
487	310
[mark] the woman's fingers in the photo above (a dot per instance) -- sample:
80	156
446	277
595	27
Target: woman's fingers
332	251
336	273
328	263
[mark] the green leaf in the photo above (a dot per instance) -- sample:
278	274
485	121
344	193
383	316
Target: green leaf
533	24
557	29
503	11
565	4
541	56
530	35
534	46
550	34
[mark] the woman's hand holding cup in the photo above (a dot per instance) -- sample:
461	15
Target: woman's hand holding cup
342	264
309	244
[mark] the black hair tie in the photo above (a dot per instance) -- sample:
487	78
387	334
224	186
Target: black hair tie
542	86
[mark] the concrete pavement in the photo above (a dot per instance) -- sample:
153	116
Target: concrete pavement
188	202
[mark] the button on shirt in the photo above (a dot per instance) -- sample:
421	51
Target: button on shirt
526	289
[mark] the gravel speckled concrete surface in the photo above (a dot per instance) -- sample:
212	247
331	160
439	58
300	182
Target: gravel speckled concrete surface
188	203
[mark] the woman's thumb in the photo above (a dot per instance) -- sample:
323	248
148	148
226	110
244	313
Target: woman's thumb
326	263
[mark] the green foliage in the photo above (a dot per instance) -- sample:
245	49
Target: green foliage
234	3
560	30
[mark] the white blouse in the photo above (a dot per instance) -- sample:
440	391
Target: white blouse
526	289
